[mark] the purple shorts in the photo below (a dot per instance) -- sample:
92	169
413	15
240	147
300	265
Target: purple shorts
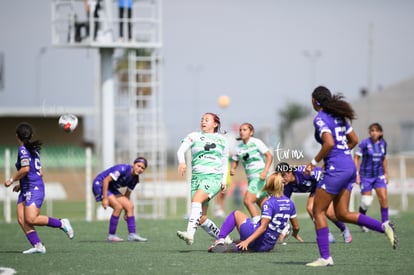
335	180
31	197
97	191
247	229
368	183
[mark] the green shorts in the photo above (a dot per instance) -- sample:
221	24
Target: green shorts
210	184
255	186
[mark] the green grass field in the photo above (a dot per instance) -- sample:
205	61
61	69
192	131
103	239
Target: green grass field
164	253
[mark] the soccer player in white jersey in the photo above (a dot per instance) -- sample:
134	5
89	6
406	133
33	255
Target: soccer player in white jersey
256	159
209	162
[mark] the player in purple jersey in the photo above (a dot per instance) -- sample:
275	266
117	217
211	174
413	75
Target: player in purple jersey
296	181
106	187
277	211
373	170
32	191
336	136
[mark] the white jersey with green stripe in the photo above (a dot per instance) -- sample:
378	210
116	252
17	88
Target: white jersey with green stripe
251	155
209	153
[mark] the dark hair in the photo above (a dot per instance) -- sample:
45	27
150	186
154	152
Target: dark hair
378	126
249	125
24	132
334	105
142	160
216	119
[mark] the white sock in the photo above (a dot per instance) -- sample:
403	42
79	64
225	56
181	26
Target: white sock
211	228
256	219
194	219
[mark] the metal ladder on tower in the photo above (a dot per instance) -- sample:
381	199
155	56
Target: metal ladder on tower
131	114
148	134
139	79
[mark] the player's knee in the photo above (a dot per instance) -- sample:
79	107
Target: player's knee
117	209
30	220
366	201
248	201
20	220
310	210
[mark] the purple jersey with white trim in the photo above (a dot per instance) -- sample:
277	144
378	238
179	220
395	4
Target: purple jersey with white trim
303	183
33	179
279	211
340	155
373	155
121	177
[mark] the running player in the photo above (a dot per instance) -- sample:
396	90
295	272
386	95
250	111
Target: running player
209	162
334	132
32	191
257	160
373	171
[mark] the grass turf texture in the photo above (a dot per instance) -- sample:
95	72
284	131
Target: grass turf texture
164	253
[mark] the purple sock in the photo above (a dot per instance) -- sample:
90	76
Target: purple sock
131	224
370	223
227	226
340	225
323	242
113	224
53	222
384	214
33	238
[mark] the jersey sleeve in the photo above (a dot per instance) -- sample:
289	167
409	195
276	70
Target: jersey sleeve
320	126
185	145
267	210
23	157
261	146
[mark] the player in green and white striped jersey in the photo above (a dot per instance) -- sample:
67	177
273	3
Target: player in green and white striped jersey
256	159
209	162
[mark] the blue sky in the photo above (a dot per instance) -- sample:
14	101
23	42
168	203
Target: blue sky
251	50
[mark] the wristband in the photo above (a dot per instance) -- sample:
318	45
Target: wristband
11	180
313	161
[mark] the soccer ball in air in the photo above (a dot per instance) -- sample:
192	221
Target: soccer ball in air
68	122
223	101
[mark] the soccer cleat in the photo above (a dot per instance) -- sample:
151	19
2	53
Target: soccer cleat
183	235
346	234
223	248
390	232
113	238
331	238
67	228
220	241
38	248
364	229
133	237
321	262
